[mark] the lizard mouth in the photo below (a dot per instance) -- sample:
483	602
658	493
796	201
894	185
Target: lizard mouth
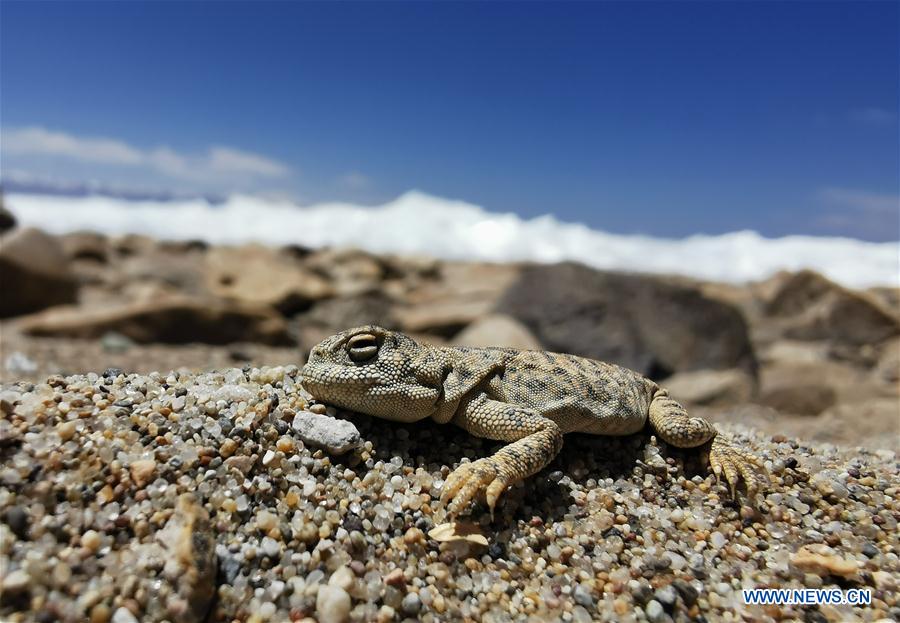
329	375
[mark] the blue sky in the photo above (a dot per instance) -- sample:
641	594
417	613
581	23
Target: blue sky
660	118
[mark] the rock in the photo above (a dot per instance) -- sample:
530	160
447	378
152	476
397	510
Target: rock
189	552
464	293
259	275
497	330
666	596
123	615
142	471
887	370
151	267
411	604
820	563
7	220
15	588
336	314
350	272
813	308
17	520
85	245
801	398
34	272
711	387
171	319
332	604
654	611
336	436
644	323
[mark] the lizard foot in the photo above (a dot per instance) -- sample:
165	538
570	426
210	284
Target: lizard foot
469	479
735	464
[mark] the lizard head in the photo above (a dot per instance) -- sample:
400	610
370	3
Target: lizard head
375	371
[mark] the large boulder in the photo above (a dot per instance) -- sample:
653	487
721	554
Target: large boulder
7	220
644	323
257	274
34	273
349	271
711	387
85	245
497	330
810	307
460	295
173	320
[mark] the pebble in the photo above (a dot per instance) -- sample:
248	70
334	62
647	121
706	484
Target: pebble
411	604
654	611
336	436
332	604
666	596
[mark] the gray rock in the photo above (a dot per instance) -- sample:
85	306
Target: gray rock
34	272
336	436
813	308
711	387
645	323
582	597
411	604
666	596
497	330
654	611
7	220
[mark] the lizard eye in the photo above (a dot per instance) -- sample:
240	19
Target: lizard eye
362	347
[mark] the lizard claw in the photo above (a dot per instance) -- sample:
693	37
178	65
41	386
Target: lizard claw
735	465
470	479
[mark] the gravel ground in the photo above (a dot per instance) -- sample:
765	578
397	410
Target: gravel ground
189	497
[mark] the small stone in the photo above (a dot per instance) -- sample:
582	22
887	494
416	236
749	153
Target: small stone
411	604
654	611
666	596
582	596
342	577
336	436
817	563
91	540
17	520
123	615
869	550
332	604
16	583
66	430
228	447
265	520
100	613
717	540
142	472
395	578
687	591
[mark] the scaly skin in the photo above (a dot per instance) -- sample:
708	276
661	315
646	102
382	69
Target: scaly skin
528	398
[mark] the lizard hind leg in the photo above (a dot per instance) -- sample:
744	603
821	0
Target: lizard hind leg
673	424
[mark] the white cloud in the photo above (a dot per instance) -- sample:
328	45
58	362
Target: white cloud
873	115
37	140
219	164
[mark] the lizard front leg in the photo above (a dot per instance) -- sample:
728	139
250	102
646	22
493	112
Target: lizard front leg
535	442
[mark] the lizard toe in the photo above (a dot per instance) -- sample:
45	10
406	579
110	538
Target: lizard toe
733	465
468	481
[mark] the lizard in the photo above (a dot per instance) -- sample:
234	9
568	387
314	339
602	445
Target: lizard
530	399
